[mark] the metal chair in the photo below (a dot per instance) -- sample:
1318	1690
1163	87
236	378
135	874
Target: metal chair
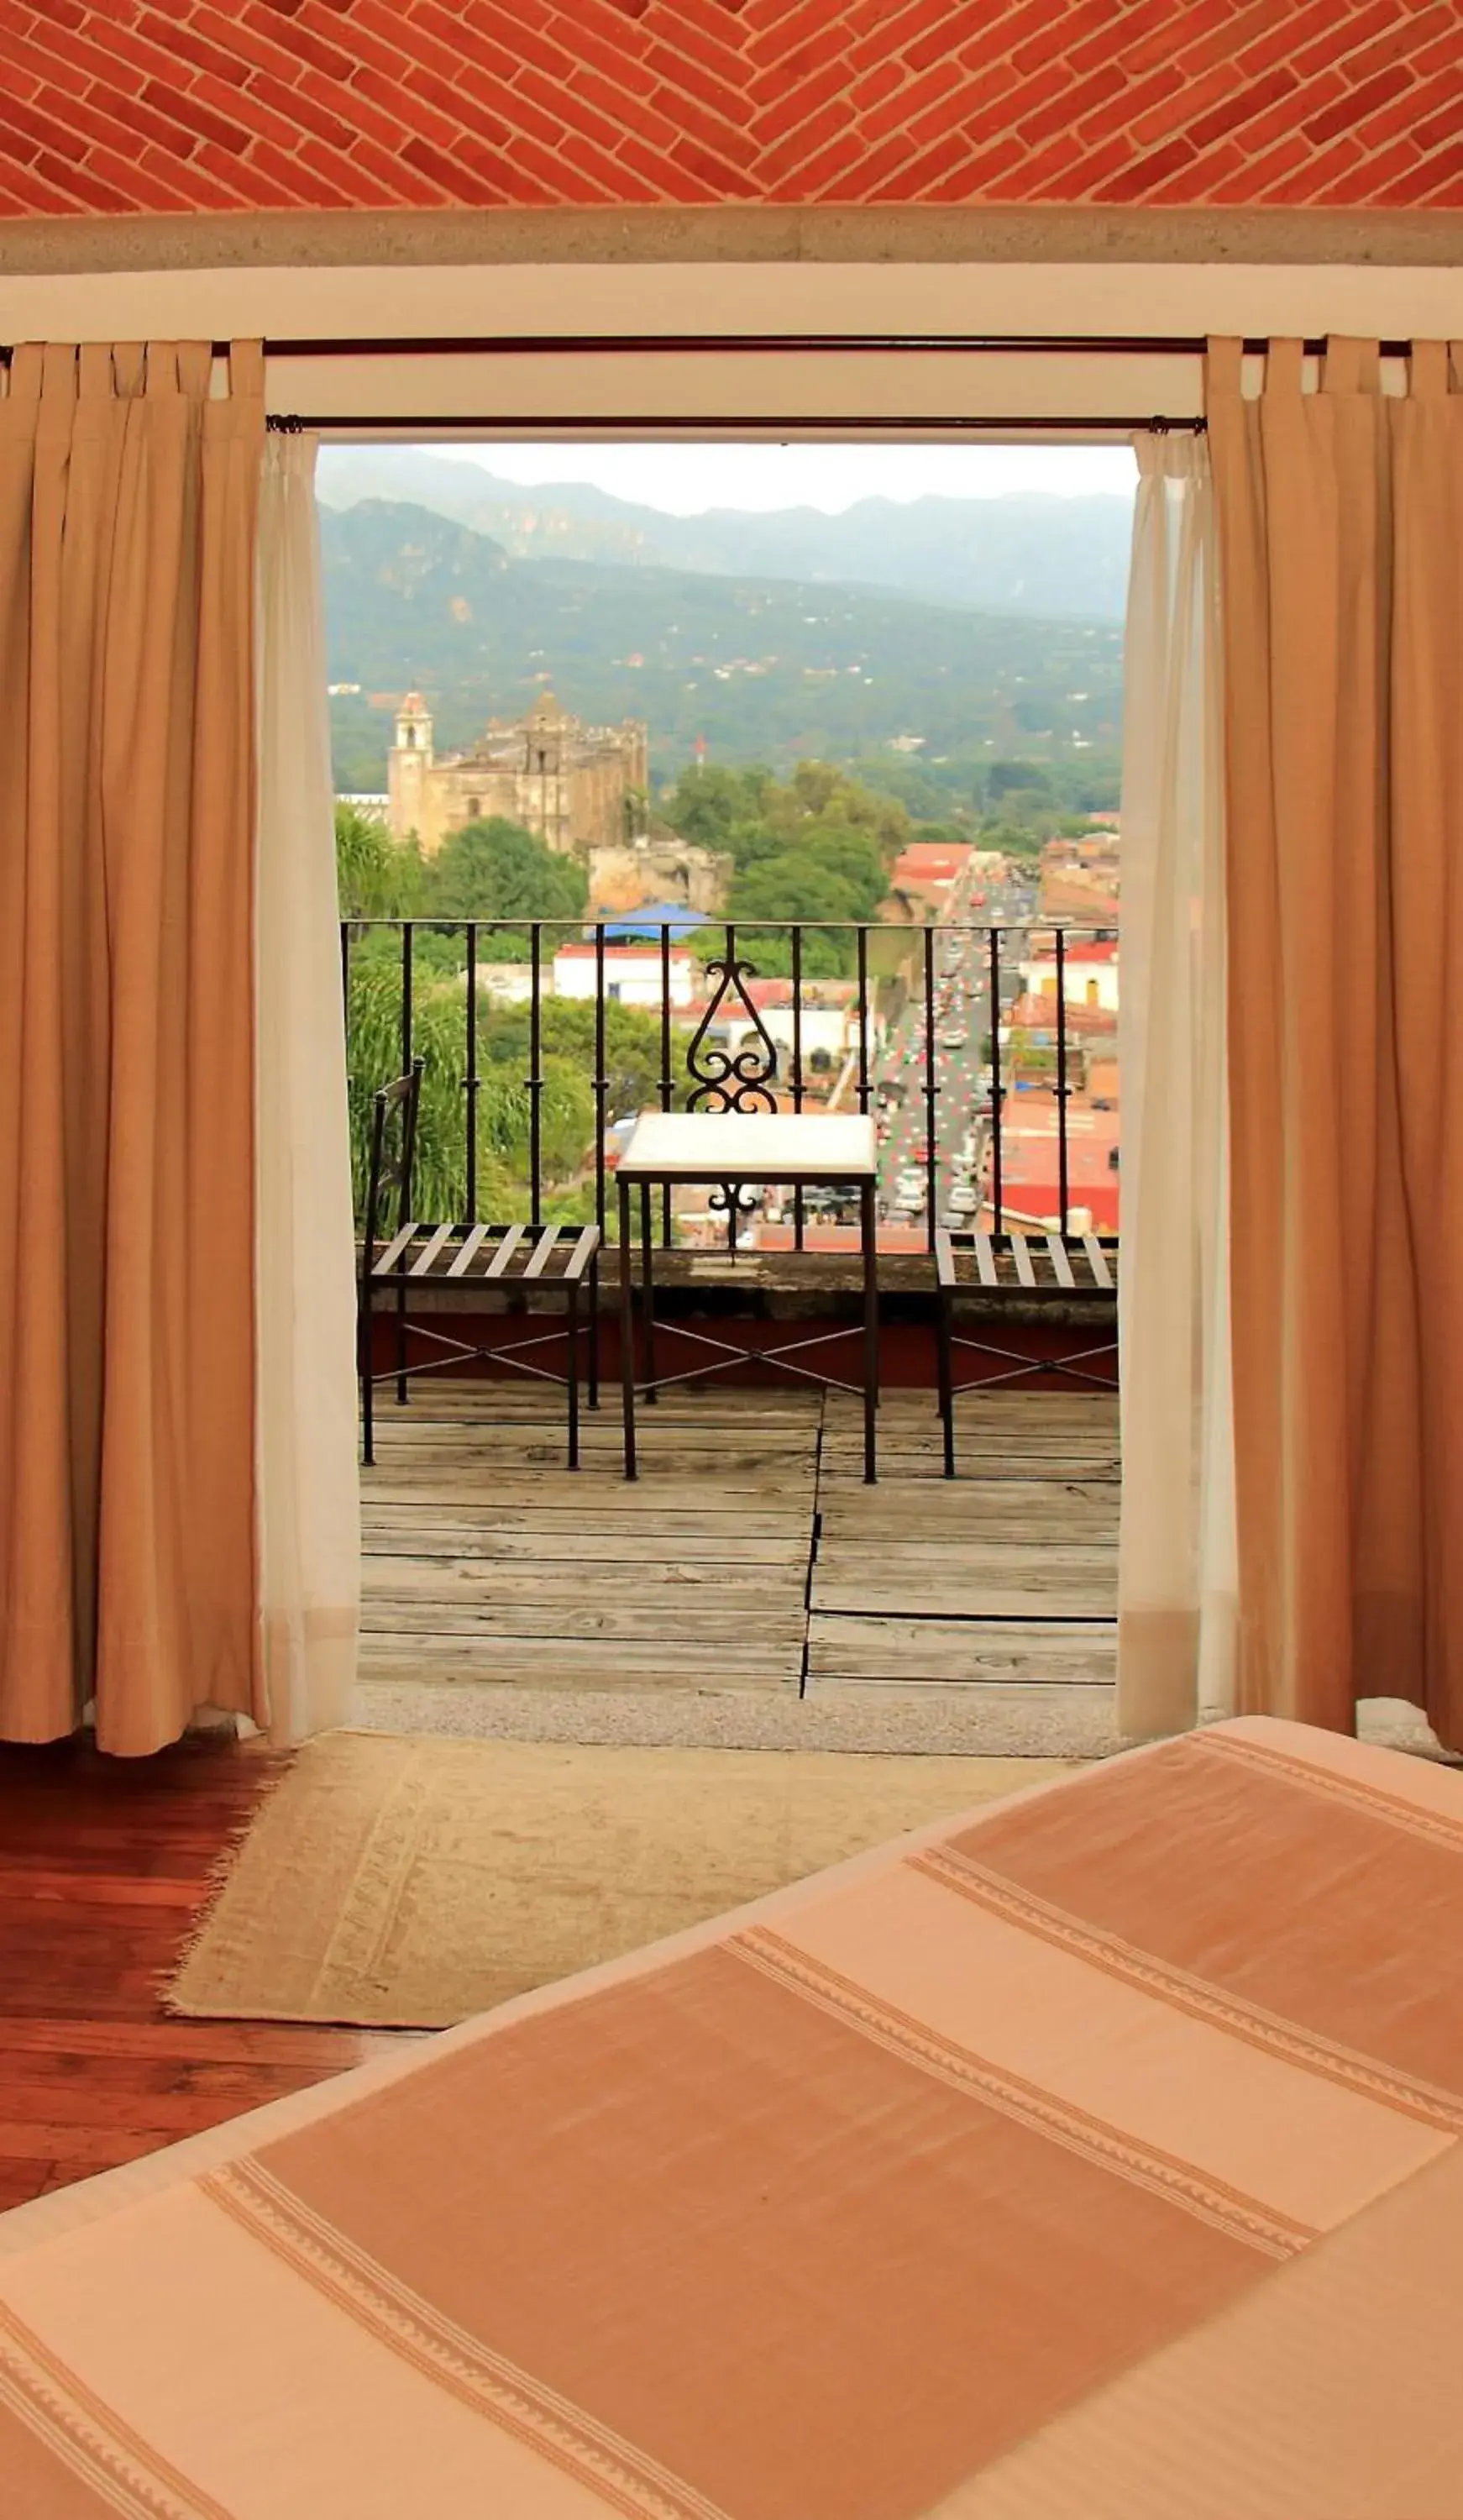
465	1258
1080	1268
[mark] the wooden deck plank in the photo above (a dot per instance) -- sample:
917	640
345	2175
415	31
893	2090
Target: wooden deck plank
960	1509
726	1488
559	1662
760	1539
754	1638
960	1598
452	1398
675	1582
996	1583
905	1652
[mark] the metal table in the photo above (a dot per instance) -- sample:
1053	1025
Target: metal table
808	1150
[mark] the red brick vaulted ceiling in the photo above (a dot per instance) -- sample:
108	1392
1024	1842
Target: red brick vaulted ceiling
128	105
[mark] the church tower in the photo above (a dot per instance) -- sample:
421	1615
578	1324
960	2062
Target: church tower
409	771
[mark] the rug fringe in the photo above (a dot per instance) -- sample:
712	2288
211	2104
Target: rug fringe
216	1882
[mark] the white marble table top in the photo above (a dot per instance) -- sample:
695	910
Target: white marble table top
750	1145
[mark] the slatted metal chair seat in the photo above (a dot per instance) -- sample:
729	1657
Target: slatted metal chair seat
1073	1264
465	1259
421	1254
1073	1268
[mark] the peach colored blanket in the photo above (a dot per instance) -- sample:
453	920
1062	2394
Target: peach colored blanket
1093	2156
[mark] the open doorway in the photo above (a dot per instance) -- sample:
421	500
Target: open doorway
767	777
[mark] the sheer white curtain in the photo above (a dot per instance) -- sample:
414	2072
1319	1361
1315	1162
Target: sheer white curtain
1177	1577
309	1496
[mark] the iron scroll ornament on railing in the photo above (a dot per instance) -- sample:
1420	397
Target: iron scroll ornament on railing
732	1081
724	1081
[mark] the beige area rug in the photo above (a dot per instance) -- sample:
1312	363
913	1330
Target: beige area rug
408	1882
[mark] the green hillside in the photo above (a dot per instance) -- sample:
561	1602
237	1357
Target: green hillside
763	669
1028	551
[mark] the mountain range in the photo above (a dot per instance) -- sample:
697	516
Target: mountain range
756	668
1029	553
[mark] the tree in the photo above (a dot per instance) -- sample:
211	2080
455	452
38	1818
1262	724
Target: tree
855	857
820	793
708	803
375	875
766	953
439	1172
567	1034
1004	778
796	885
495	868
921	792
942	835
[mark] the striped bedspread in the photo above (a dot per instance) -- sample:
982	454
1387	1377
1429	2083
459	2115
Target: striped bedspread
1093	2158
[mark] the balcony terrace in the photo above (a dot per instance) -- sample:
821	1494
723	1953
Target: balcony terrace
750	1585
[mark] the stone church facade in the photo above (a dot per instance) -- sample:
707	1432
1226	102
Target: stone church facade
578	787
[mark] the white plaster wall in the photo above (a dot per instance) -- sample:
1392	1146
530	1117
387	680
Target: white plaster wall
487	395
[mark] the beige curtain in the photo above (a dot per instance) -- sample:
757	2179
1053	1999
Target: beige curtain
127	526
309	1489
1341	516
1176	1564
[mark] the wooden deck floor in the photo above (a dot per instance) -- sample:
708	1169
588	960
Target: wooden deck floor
749	1554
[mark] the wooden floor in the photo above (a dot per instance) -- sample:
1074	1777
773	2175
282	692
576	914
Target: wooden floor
103	1865
749	1554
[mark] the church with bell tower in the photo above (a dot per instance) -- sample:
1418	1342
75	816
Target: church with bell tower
577	788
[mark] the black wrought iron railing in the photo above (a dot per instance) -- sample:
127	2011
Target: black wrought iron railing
542	1041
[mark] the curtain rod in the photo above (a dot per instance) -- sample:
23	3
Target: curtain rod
638	344
1154	423
1173	346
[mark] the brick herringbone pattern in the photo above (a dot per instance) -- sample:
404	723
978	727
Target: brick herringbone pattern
113	106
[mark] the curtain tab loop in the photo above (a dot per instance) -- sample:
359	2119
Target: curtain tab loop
1429	371
246	368
94	371
1352	366
195	368
27	365
163	368
1225	367
1285	366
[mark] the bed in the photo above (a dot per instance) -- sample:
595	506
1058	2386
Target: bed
1096	2154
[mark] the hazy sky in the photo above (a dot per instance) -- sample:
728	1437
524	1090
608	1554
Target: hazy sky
683	479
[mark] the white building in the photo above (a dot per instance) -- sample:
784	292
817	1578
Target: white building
632	975
1089	973
828	1028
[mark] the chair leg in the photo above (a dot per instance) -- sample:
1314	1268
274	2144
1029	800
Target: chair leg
594	1360
367	1387
571	1370
647	1288
944	1339
627	1332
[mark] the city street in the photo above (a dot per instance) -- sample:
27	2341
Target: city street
962	1008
